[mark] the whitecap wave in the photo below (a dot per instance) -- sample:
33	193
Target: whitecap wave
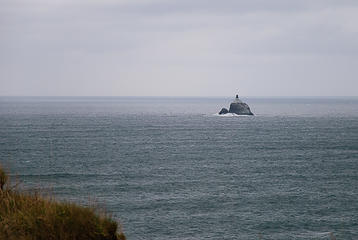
319	235
230	115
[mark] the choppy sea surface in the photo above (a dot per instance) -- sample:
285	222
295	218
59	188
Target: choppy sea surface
169	168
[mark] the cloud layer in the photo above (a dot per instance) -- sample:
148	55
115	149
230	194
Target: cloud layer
181	48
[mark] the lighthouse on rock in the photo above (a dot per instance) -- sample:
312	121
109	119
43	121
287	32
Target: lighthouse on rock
237	107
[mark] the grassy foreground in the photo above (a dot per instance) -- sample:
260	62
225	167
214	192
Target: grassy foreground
25	216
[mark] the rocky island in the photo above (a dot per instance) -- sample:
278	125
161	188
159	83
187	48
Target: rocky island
237	107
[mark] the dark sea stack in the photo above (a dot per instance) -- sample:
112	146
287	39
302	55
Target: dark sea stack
238	107
223	111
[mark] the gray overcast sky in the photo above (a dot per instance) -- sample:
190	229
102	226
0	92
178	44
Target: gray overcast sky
179	47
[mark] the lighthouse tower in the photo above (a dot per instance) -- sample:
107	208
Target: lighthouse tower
237	100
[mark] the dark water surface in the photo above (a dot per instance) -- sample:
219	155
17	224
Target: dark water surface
169	168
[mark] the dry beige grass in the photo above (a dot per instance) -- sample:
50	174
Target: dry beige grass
25	216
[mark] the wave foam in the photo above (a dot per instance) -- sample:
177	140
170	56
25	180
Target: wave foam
230	115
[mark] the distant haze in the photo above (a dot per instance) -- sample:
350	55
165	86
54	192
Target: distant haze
179	47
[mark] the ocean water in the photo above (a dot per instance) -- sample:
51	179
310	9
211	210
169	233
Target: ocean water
169	168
